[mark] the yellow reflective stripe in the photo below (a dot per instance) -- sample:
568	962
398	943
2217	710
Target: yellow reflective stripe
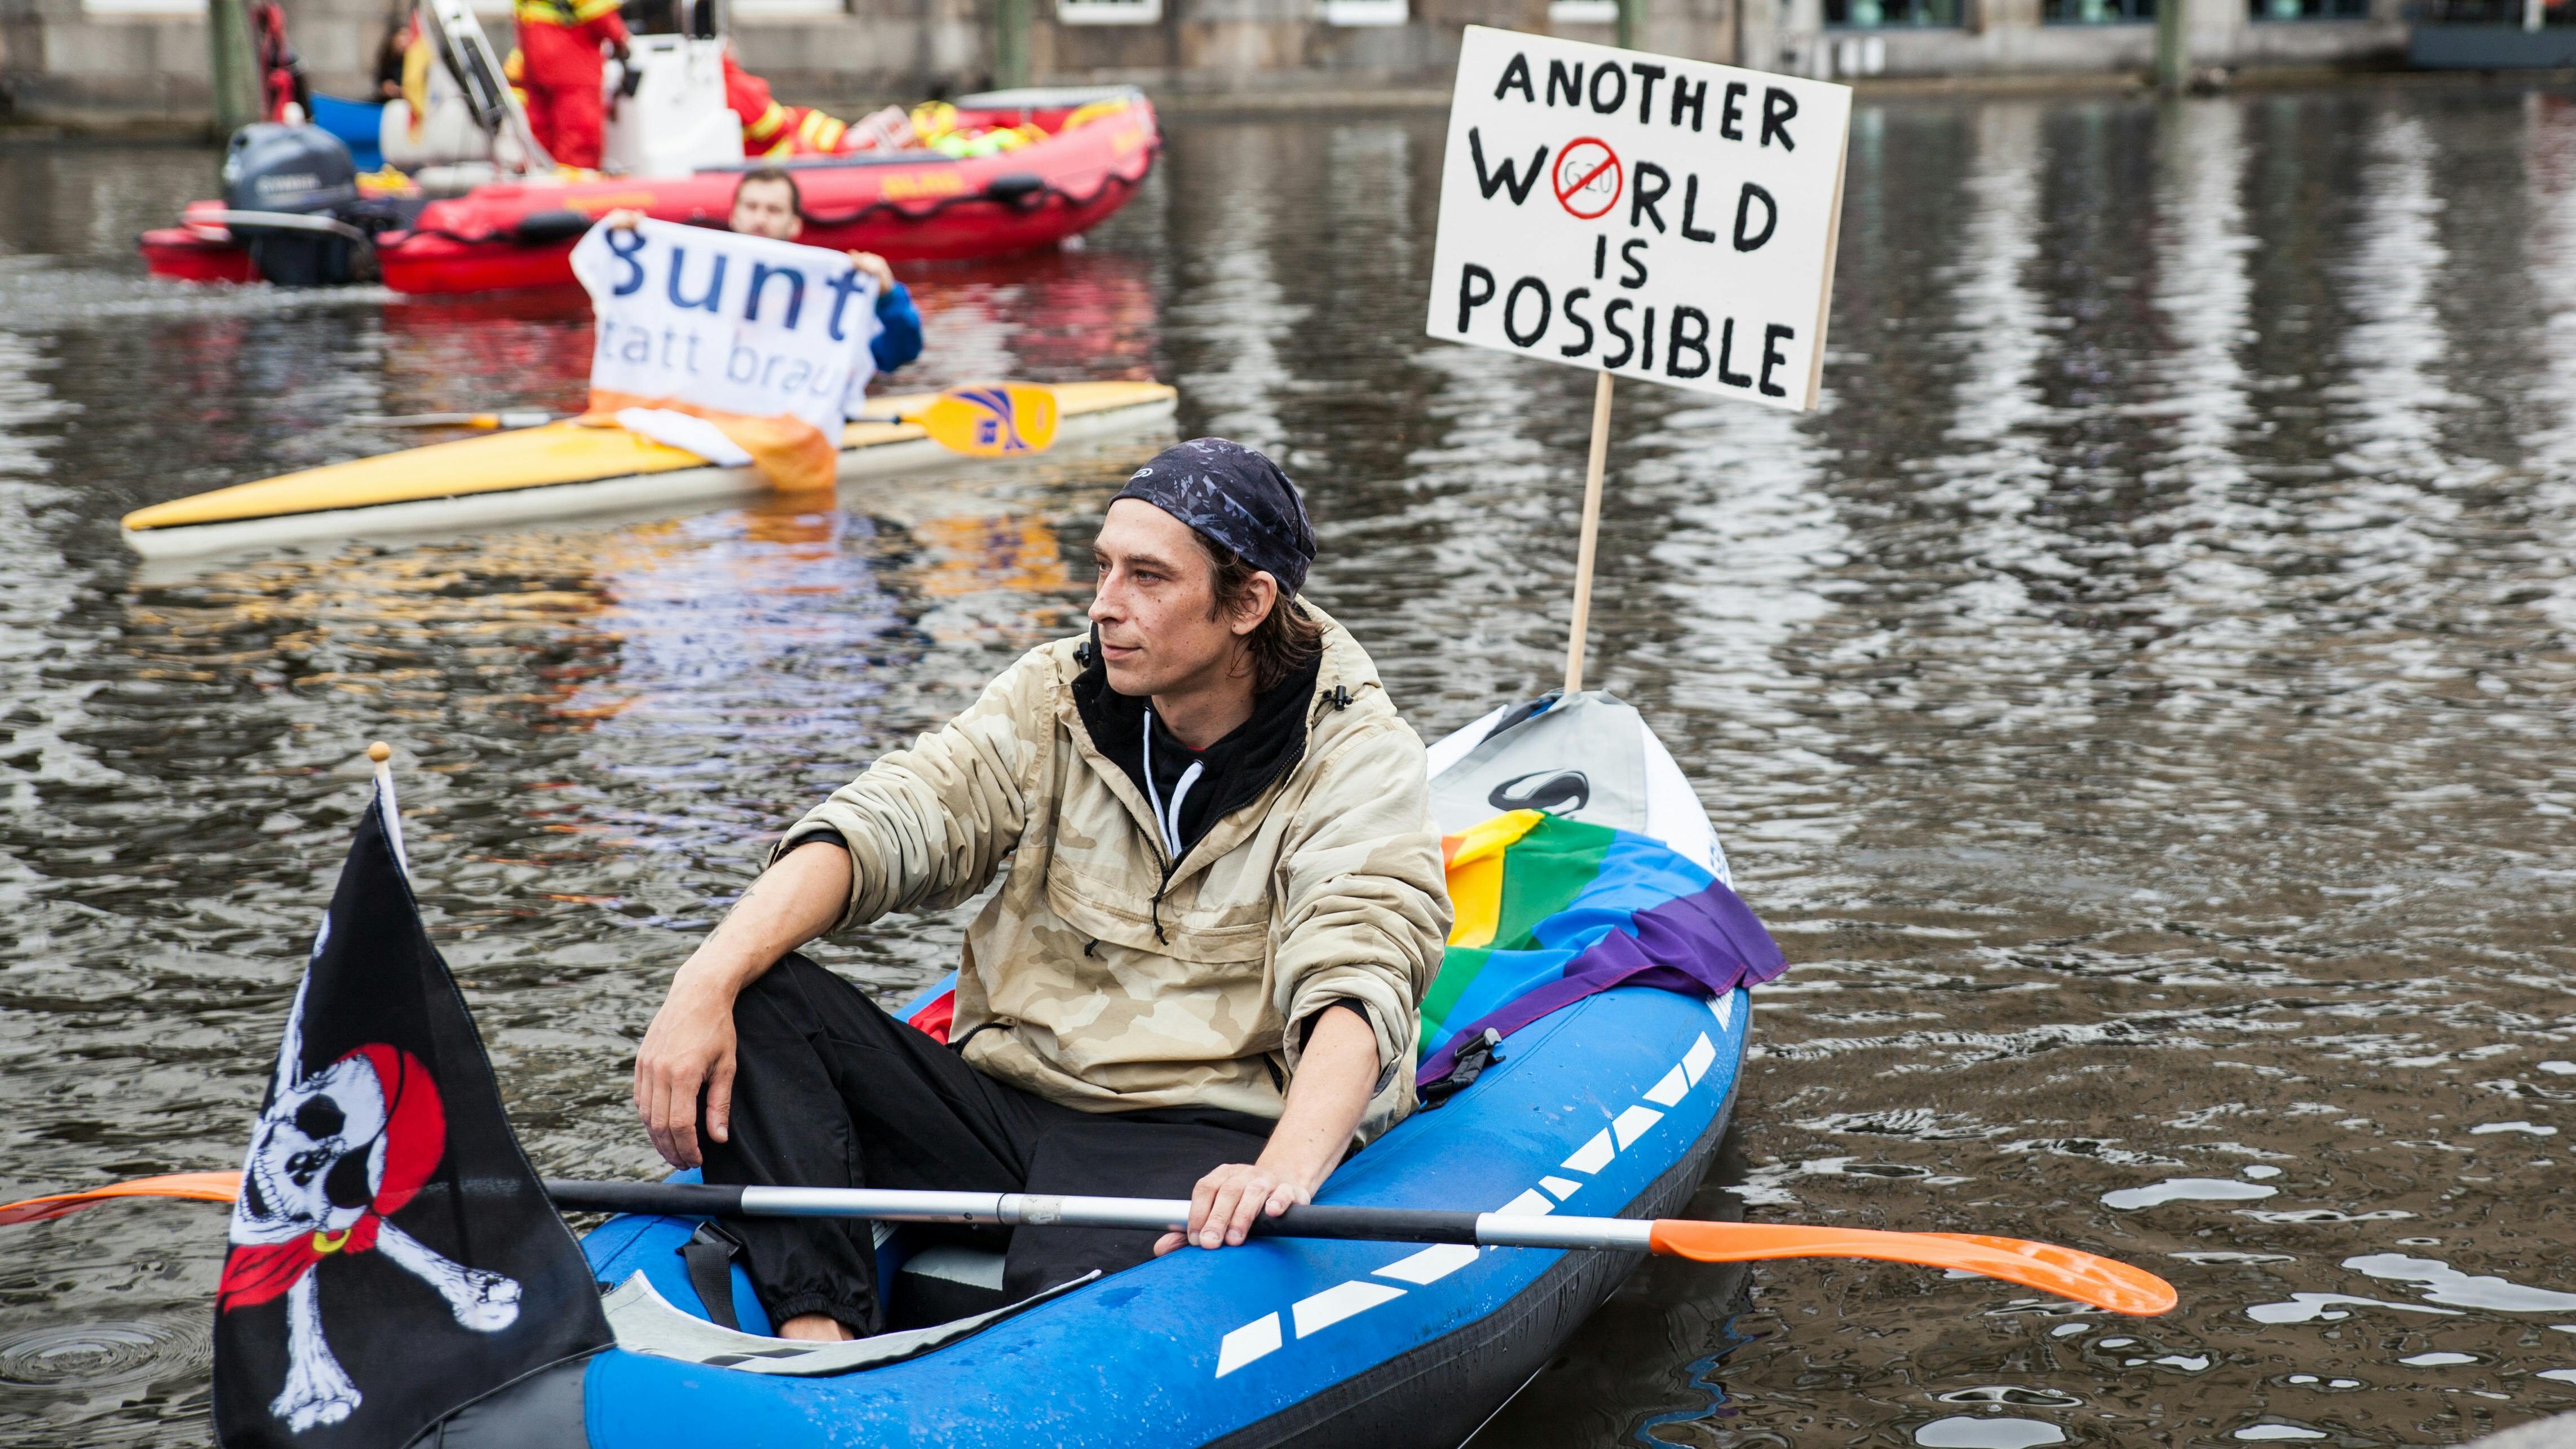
820	131
544	12
593	9
768	124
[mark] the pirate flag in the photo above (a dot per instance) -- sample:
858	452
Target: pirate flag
393	1257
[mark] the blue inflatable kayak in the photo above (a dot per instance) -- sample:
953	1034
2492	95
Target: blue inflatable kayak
1609	1106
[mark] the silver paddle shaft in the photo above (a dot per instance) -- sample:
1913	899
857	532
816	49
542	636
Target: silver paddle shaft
1015	1209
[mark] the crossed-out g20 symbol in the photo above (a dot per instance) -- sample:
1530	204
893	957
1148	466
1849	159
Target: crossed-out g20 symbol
1587	181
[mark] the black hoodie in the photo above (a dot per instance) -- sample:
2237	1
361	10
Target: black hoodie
1232	772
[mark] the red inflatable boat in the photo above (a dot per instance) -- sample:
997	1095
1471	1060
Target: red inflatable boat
906	205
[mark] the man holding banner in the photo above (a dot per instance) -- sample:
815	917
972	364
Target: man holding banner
742	349
767	202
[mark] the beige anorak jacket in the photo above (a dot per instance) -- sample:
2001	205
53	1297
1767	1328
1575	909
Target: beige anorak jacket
1327	888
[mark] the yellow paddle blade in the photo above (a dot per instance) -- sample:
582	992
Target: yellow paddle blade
991	420
2044	1266
200	1186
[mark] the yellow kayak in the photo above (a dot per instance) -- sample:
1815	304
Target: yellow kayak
560	470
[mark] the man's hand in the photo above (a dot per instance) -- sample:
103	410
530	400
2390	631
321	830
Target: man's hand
688	1046
1324	1104
875	266
1226	1201
623	218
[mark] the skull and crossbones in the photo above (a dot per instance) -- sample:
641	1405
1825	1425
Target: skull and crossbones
333	1156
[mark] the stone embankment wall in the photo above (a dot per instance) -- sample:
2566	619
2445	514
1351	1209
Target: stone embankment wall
123	62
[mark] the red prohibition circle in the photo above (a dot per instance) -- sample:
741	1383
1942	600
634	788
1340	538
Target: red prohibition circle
1579	163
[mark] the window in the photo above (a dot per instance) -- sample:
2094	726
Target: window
2102	12
2553	14
1108	12
144	7
1583	12
1364	12
764	9
1889	14
2310	9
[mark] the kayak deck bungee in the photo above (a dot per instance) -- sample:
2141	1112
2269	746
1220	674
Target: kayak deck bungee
560	470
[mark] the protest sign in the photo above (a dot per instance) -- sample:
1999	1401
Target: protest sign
1658	218
1643	216
767	340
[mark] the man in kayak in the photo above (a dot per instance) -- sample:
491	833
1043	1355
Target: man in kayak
1201	976
766	202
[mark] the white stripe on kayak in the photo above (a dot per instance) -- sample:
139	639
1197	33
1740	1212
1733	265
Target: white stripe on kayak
1592	1156
1251	1341
1262	1336
1431	1264
1632	1124
1699	1058
1338	1302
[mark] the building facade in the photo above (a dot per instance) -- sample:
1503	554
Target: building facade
123	61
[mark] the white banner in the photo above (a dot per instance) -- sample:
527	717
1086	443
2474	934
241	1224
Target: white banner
735	325
1662	219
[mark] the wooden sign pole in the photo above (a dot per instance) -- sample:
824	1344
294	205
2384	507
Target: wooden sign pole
1584	551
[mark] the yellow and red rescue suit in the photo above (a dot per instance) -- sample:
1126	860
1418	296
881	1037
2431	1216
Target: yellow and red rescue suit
774	132
559	43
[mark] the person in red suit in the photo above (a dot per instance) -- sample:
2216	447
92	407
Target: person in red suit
772	131
559	43
281	70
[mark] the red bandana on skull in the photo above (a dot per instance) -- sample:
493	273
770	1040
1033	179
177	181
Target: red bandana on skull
415	1137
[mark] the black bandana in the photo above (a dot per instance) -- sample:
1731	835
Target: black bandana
1237	497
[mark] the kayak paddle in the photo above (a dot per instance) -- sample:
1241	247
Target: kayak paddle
980	420
201	1186
2065	1272
985	419
481	422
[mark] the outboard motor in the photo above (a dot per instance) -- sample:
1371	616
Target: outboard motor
290	189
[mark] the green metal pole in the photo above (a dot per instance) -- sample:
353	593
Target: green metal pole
1628	23
2173	52
1011	22
235	68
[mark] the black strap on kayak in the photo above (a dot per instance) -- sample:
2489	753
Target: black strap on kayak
1464	1069
708	1256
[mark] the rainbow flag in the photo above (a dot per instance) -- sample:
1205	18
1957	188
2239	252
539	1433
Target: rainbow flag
1551	910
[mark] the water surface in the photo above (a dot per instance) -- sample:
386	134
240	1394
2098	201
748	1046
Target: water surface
2140	700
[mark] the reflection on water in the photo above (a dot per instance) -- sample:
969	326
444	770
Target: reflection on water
2140	700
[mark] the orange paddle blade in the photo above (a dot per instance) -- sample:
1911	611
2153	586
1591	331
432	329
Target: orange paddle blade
2045	1266
991	420
201	1186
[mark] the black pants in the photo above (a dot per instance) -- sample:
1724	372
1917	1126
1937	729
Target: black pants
829	1091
